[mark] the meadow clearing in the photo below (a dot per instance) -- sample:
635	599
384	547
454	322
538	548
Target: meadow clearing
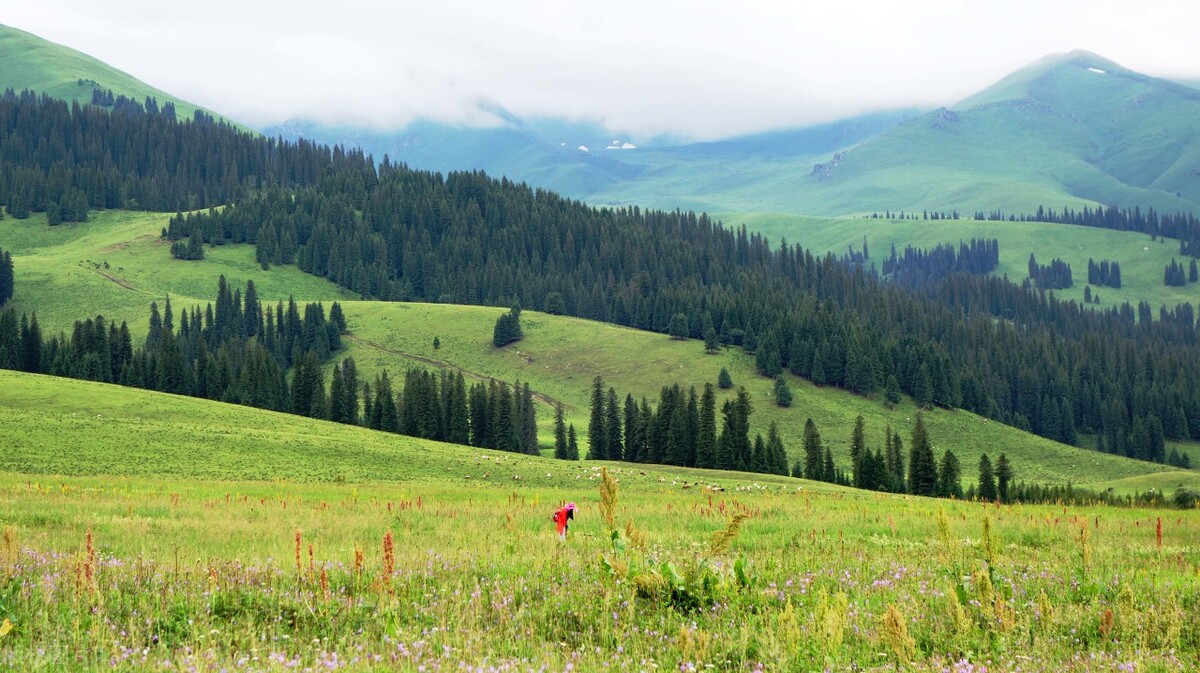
442	573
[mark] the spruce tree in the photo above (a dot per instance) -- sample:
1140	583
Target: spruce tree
892	390
678	328
1004	476
987	480
776	454
560	433
706	440
783	393
922	466
813	452
572	443
950	476
633	430
612	426
597	433
724	382
858	445
711	343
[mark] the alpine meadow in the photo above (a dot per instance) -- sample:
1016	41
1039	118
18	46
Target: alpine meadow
916	388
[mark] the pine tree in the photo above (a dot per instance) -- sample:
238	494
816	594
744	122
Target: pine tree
560	433
724	382
987	480
950	476
783	393
597	433
1004	476
858	446
777	462
706	440
813	452
679	326
633	430
572	443
711	343
612	426
922	466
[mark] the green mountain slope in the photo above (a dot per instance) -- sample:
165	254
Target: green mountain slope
1066	130
30	62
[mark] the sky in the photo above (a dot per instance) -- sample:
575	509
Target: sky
692	68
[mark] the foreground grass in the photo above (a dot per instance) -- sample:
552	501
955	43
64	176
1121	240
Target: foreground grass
228	538
267	576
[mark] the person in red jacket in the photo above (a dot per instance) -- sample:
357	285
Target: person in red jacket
561	517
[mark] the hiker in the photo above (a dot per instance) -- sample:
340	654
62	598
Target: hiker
561	516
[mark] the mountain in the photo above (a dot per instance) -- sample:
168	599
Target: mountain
1068	130
588	161
30	62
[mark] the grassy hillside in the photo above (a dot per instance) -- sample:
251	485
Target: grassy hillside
30	62
117	264
1142	260
61	274
559	356
1074	125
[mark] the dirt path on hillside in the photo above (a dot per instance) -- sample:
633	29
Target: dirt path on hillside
120	281
440	364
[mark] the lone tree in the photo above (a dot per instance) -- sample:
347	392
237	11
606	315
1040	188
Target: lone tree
508	328
723	380
783	394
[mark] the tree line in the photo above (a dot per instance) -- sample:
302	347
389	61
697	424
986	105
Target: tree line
1053	276
916	266
681	430
237	352
65	159
1175	276
438	406
1104	273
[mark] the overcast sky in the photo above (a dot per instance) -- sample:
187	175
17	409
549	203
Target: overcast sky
691	67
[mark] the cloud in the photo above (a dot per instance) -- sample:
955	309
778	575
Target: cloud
701	68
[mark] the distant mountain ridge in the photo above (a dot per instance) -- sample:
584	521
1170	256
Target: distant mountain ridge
1066	131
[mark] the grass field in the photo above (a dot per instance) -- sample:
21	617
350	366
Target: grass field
138	573
117	264
143	531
